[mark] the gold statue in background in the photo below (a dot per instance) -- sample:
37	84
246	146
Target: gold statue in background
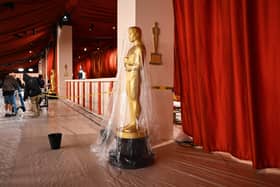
52	82
156	32
156	56
133	63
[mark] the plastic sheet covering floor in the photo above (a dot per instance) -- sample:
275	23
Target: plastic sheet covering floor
27	160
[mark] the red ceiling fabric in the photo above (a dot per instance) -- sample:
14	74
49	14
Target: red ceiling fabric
27	25
93	22
30	25
229	56
16	66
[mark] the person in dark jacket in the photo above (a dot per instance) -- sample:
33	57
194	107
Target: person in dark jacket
41	81
20	84
32	89
10	85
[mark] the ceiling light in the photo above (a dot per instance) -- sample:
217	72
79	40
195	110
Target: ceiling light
30	69
97	48
30	60
90	27
85	49
65	18
30	51
20	69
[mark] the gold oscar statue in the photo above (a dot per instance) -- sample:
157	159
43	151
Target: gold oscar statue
132	150
133	64
155	56
52	83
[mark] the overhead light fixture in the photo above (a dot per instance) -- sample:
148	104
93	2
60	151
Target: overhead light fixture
98	48
85	49
30	60
90	27
20	70
65	19
30	69
30	51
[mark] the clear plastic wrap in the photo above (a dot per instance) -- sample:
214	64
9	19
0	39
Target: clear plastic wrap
124	139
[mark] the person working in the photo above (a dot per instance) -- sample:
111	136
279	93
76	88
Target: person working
9	87
32	89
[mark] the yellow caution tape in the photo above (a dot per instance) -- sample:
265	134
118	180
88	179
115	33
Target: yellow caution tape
103	93
65	97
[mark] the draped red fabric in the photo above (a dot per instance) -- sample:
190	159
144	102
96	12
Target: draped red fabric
110	63
50	60
87	67
177	73
98	65
229	56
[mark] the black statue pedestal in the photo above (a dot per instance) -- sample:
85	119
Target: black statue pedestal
52	95
131	153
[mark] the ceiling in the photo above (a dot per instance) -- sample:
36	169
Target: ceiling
28	27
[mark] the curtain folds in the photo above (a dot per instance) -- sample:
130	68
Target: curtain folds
99	65
227	60
51	59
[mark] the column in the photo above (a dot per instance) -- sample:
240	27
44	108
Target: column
64	58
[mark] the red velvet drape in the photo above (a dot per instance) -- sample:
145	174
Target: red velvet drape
50	60
98	65
229	57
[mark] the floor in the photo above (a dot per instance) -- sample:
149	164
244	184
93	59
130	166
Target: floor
26	159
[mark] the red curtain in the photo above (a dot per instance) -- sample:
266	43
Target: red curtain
50	60
99	64
229	57
86	66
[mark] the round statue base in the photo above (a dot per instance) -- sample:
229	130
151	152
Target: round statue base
131	153
52	95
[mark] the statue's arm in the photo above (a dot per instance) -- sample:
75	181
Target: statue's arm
137	60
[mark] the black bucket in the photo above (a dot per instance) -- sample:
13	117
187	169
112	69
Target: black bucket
55	140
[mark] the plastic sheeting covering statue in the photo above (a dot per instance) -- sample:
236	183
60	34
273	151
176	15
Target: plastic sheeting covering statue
124	140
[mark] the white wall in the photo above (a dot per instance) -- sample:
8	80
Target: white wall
126	18
64	57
